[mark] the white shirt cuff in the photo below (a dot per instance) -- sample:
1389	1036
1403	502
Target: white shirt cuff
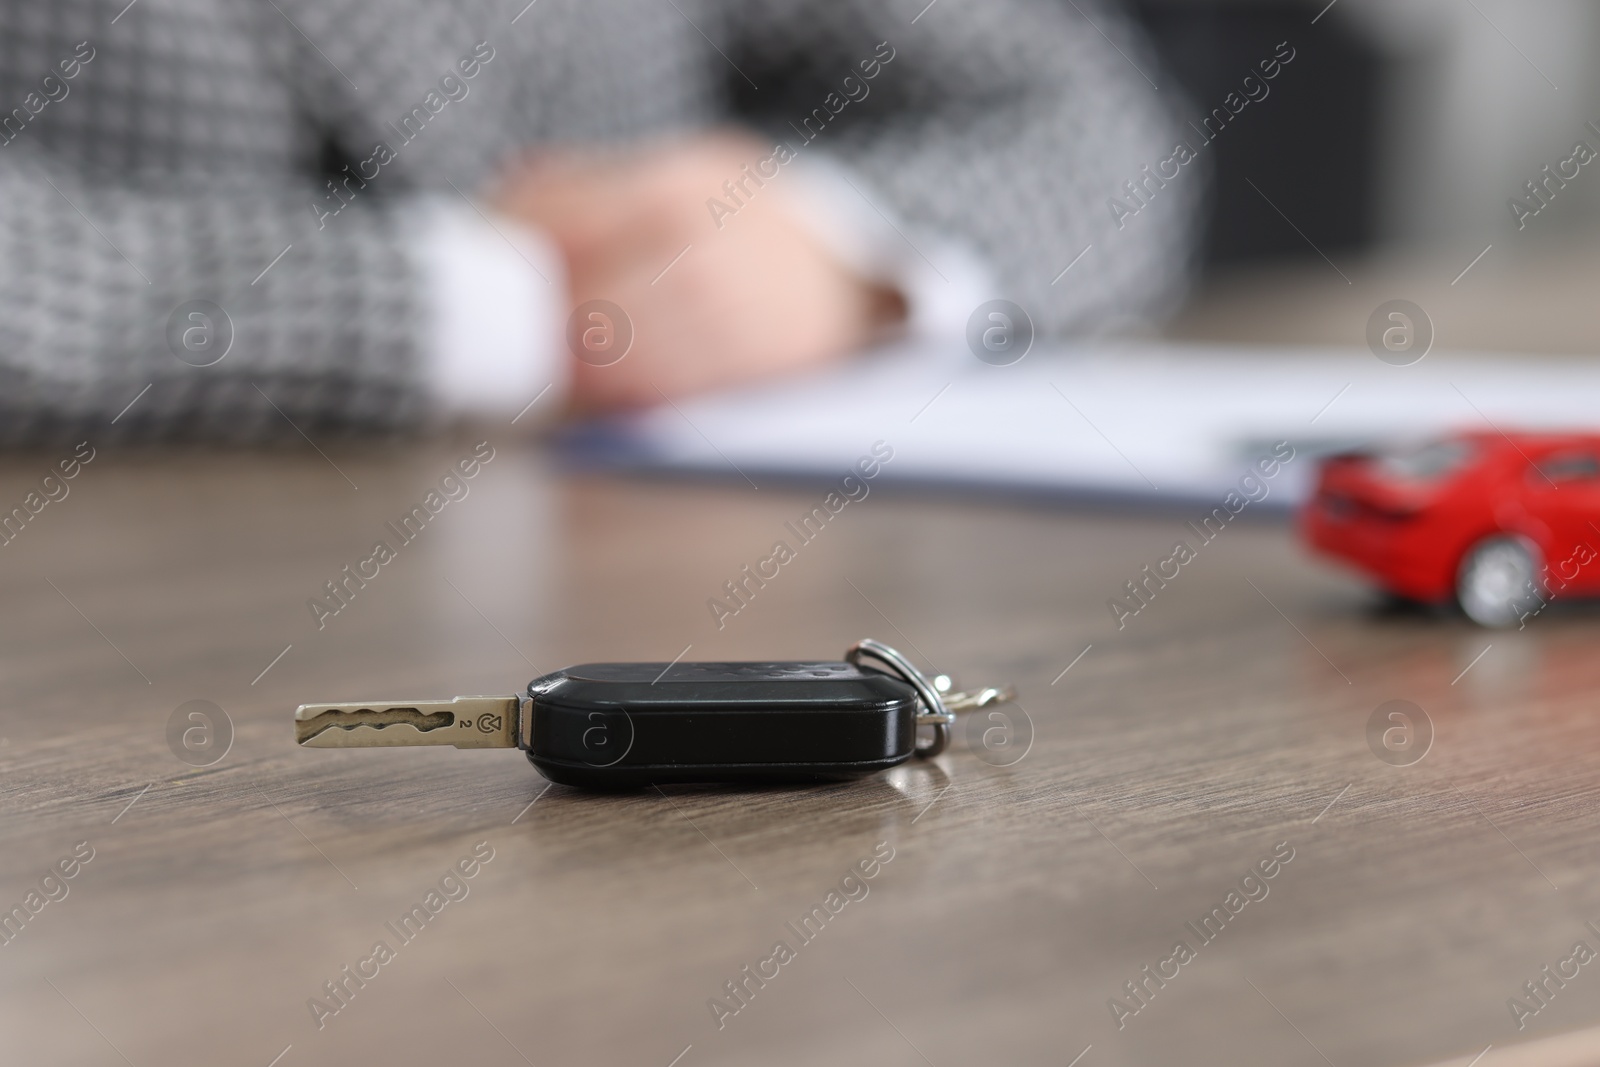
942	281
494	296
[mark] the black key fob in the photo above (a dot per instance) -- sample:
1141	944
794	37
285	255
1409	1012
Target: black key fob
627	725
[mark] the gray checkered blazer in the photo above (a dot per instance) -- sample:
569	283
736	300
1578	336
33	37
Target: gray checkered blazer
184	152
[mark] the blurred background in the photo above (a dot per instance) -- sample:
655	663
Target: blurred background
1395	144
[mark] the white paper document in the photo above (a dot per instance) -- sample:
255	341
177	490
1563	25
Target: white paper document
1103	421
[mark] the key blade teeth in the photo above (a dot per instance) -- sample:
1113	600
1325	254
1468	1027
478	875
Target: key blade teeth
465	722
372	723
396	735
308	728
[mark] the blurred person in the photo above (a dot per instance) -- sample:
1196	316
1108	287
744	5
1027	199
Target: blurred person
219	218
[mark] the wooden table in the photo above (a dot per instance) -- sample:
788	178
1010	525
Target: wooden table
1520	298
1174	755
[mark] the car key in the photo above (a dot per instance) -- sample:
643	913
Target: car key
628	725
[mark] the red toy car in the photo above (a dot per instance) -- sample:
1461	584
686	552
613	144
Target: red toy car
1501	523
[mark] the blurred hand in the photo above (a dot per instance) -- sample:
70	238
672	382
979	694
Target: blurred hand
756	298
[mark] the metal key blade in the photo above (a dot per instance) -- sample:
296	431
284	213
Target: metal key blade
464	722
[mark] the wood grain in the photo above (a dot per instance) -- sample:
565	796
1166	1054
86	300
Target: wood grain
1172	757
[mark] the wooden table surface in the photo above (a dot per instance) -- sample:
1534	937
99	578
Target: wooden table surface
1227	720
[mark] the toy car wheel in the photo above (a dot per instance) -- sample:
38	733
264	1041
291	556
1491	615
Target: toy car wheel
1498	581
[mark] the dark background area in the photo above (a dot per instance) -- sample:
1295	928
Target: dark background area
1311	145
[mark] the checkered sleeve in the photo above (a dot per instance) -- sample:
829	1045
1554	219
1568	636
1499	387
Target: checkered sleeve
213	310
1008	126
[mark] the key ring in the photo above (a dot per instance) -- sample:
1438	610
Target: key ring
938	707
936	712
